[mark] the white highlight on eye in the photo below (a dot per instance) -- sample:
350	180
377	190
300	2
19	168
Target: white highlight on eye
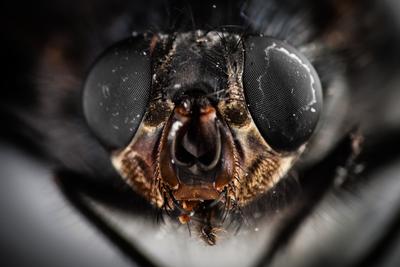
266	51
260	85
304	65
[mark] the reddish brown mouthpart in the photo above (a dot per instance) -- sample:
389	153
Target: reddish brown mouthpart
196	159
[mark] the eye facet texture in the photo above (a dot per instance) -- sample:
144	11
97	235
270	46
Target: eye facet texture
283	92
116	92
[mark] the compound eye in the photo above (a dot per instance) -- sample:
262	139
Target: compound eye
116	92
283	92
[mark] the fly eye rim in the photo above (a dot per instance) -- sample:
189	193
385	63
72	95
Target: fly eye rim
138	70
278	62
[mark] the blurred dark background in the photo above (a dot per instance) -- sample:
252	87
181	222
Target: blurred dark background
46	48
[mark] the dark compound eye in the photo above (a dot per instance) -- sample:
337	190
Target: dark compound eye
283	92
117	90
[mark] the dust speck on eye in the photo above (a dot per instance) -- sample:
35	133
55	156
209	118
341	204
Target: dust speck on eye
105	90
214	6
177	86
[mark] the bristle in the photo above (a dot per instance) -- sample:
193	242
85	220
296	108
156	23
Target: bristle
209	234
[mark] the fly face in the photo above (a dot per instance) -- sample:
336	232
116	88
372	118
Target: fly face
202	123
